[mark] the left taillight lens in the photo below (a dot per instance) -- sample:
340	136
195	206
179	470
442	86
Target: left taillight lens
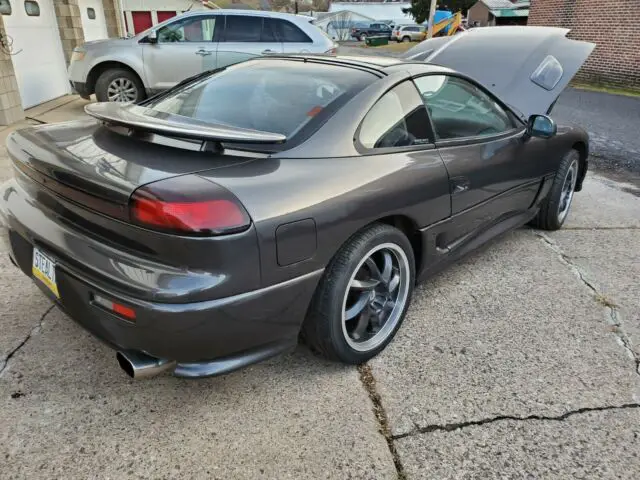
188	205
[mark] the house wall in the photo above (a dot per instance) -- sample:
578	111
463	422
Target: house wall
478	12
10	103
607	23
71	35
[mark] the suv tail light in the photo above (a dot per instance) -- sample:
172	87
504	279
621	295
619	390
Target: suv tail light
190	205
332	51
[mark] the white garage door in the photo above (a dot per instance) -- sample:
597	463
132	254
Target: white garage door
93	21
38	57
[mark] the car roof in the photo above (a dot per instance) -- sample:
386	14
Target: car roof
254	13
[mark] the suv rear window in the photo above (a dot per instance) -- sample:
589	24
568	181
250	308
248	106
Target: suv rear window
276	96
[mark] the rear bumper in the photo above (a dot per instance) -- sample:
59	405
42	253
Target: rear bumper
226	333
239	326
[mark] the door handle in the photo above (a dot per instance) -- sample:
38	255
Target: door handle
203	52
459	185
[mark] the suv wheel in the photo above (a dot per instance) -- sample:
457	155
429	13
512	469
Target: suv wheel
363	37
363	296
406	39
119	85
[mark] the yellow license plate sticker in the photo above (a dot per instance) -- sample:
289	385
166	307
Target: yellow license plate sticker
44	269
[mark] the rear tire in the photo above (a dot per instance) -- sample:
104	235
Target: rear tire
119	85
406	39
555	208
362	297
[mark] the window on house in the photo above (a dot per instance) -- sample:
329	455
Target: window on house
5	7
91	13
32	8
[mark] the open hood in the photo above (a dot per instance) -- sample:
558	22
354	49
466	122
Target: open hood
526	67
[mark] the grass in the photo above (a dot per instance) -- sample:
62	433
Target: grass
594	87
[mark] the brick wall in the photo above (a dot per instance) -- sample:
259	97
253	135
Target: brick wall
70	26
10	103
610	24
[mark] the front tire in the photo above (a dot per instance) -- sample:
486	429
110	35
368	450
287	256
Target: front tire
555	208
119	85
363	296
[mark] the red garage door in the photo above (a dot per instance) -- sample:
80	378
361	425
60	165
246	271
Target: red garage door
162	16
141	21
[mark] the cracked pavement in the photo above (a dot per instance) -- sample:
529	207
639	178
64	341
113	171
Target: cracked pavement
520	360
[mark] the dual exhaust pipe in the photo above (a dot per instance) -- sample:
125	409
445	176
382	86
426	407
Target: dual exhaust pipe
139	365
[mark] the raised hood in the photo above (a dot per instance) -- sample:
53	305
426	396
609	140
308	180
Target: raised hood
526	67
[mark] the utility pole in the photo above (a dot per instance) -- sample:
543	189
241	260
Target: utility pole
432	14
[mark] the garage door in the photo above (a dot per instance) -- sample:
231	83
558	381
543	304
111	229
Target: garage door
38	57
94	24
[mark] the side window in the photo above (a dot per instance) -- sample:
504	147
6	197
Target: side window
32	8
243	28
269	30
460	109
398	119
289	33
198	29
91	13
5	7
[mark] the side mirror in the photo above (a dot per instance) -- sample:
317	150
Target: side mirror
152	37
541	126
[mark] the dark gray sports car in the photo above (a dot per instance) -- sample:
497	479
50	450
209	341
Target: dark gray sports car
210	226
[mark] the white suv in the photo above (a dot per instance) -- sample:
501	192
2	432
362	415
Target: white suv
127	70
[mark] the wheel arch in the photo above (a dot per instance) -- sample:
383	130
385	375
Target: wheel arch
583	151
102	67
410	229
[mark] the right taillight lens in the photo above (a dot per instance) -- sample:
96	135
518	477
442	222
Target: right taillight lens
190	205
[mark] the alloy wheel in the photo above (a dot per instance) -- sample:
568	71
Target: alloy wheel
122	90
568	187
376	297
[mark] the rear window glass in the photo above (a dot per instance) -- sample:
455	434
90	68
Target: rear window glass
267	95
287	32
243	28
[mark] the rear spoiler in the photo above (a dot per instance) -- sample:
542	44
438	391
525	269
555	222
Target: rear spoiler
145	119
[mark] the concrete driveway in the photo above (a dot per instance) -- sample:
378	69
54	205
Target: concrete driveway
521	360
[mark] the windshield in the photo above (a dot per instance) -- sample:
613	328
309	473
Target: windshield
275	96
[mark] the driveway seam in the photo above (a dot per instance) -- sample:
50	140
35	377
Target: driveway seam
34	330
450	427
369	383
616	324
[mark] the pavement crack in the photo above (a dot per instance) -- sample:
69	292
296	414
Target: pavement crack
600	228
612	309
369	383
450	427
5	362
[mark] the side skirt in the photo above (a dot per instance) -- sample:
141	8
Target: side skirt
437	258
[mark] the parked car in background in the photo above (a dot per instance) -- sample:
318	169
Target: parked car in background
129	70
408	33
363	30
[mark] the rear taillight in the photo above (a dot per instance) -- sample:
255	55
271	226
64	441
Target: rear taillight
188	204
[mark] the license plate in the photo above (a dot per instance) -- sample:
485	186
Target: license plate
44	269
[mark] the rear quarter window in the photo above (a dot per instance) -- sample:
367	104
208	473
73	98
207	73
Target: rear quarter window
289	33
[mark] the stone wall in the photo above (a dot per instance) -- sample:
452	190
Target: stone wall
607	23
10	103
113	18
70	26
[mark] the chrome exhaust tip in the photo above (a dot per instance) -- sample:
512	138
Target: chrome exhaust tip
140	365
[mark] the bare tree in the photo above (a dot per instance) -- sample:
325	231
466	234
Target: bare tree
341	26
